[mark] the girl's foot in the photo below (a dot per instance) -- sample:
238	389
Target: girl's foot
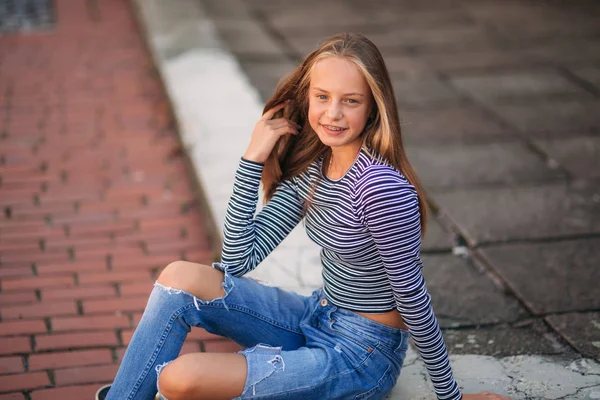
102	392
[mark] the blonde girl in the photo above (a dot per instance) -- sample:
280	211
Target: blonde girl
329	151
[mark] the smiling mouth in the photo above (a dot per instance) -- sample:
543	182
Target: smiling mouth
333	129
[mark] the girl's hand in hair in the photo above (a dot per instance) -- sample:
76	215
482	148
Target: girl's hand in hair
266	133
484	396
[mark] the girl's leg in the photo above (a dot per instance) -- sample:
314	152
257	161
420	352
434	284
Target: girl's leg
322	371
217	376
337	361
188	294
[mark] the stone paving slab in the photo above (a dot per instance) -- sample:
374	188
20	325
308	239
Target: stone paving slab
582	330
480	301
551	277
553	119
227	9
519	377
244	37
567	52
523	213
547	28
265	75
482	61
579	155
508	87
453	166
304	17
502	12
524	338
437	237
438	27
381	25
451	125
412	15
407	67
571	380
398	37
588	74
425	93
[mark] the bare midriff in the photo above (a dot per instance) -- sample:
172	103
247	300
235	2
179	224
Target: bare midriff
390	318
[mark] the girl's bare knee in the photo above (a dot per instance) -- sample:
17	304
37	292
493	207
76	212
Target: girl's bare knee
203	376
173	384
171	274
203	281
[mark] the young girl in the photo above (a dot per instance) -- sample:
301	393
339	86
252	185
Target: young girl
328	149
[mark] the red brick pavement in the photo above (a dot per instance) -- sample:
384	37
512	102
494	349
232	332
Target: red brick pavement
95	198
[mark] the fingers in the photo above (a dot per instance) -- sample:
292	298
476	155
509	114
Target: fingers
287	128
484	396
280	126
494	396
277	123
271	112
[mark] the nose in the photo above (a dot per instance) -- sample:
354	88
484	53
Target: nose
334	111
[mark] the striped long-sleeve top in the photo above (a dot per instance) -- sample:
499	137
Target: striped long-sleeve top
368	225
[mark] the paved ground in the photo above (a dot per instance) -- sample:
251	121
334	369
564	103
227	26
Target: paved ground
95	198
501	111
500	103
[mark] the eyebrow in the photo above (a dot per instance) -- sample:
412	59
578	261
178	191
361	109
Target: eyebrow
346	94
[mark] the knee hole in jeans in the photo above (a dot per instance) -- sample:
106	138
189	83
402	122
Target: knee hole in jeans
202	281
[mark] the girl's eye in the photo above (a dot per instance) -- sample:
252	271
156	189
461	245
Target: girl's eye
352	101
321	97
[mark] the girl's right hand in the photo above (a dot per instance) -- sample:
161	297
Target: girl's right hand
484	396
266	133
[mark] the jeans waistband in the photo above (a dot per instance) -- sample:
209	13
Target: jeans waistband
358	324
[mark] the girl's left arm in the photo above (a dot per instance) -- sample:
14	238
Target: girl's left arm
388	206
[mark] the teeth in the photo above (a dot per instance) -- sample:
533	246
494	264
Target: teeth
334	128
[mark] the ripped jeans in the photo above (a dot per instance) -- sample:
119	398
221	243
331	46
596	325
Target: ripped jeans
297	347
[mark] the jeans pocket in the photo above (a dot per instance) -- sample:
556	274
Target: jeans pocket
384	385
400	351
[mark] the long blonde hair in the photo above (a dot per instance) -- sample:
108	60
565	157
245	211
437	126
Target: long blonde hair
294	153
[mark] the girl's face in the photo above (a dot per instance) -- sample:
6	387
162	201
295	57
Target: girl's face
339	102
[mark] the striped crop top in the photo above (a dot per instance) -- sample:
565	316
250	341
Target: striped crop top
368	226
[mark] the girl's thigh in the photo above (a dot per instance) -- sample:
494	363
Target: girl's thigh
319	372
250	313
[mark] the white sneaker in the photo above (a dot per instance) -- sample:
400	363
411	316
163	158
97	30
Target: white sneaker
102	392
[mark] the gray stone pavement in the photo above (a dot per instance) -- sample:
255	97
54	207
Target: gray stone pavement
500	103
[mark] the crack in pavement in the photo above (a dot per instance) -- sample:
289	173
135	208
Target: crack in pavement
577	391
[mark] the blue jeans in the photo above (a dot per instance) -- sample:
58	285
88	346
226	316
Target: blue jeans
297	347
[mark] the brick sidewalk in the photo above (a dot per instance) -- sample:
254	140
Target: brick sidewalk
96	198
